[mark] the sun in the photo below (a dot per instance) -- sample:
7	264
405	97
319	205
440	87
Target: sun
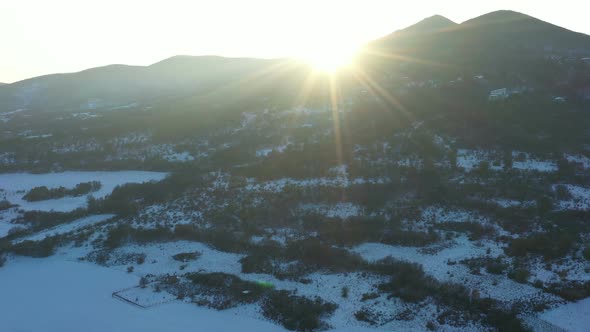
331	58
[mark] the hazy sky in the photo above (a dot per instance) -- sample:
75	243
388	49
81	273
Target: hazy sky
48	36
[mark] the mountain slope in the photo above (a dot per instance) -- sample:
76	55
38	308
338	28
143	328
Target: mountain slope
502	39
119	85
431	24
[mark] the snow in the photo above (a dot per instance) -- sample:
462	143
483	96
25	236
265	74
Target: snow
524	161
131	105
85	115
7	116
574	317
508	203
179	157
280	184
17	184
535	165
340	210
583	160
435	264
248	119
436	214
4	228
159	259
74	296
7	158
68	228
471	159
38	136
264	152
145	297
580	198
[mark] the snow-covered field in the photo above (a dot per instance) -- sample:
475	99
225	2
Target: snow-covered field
574	317
75	297
444	265
15	185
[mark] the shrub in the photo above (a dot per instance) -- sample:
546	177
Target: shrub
257	264
296	313
369	296
5	205
314	253
37	249
549	245
562	193
519	275
228	286
364	315
344	292
187	256
408	280
430	326
43	193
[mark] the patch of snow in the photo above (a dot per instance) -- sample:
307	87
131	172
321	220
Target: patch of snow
131	105
524	161
38	136
436	214
85	302
340	210
507	203
535	165
159	258
7	116
5	227
574	317
471	159
179	157
437	265
280	184
85	115
248	119
7	158
583	160
580	200
264	152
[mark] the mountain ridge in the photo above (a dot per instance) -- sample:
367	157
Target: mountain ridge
500	39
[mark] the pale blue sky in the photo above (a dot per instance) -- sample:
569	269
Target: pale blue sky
42	36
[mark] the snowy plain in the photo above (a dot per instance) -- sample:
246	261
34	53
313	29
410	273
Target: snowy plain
75	296
573	317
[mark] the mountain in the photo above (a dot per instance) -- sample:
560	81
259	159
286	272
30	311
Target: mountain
431	24
115	86
502	39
